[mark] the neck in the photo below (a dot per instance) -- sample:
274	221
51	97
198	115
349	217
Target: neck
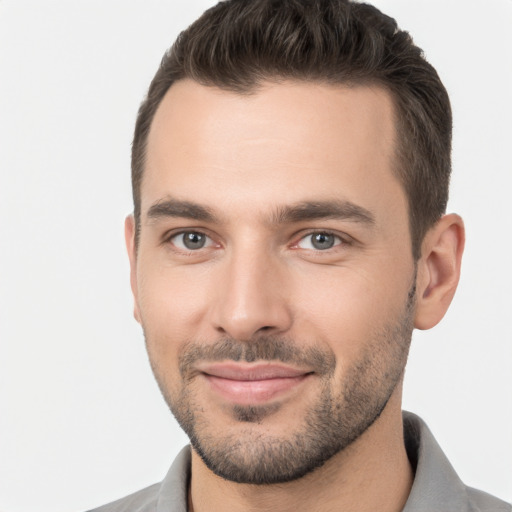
371	474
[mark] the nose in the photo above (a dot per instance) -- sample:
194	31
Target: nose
251	297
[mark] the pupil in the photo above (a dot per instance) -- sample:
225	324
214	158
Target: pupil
193	240
323	241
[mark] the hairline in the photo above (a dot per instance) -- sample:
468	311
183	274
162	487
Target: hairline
398	161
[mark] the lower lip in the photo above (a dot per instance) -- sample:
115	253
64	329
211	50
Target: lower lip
253	392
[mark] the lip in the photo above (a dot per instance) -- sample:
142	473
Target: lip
252	384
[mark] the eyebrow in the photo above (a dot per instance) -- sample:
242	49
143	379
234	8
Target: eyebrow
182	209
316	210
300	212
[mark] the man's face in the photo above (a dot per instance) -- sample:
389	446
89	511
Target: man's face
274	278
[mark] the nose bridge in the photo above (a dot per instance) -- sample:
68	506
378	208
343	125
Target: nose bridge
251	296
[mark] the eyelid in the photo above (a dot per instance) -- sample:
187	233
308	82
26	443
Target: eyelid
343	238
173	233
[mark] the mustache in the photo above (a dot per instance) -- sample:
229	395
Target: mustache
263	348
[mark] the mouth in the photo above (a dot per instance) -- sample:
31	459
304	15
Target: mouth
252	384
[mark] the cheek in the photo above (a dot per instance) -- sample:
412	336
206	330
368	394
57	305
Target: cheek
171	300
169	308
347	309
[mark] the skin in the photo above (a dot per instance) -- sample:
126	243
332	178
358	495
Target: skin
244	158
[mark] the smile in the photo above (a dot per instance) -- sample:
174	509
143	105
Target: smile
249	384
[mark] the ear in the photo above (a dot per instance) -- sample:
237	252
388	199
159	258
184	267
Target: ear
438	270
129	235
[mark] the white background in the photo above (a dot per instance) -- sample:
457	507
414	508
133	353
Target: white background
81	420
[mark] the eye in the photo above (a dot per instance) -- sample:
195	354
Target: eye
319	241
191	240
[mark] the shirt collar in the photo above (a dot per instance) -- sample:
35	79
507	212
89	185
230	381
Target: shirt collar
436	485
173	495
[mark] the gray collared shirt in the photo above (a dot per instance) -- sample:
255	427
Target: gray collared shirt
436	487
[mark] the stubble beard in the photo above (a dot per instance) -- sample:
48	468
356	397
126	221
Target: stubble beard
330	425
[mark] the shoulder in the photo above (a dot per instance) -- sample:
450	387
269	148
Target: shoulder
483	502
144	500
437	487
170	495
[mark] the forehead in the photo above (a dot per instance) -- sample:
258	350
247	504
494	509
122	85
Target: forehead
280	144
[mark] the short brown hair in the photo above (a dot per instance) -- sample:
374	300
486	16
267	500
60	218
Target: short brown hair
238	44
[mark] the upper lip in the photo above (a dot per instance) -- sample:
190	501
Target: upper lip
250	371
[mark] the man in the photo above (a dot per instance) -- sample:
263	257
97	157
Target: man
290	173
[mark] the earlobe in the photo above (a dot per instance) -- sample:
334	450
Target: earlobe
129	234
439	270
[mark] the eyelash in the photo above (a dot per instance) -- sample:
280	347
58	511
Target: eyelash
168	239
339	241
